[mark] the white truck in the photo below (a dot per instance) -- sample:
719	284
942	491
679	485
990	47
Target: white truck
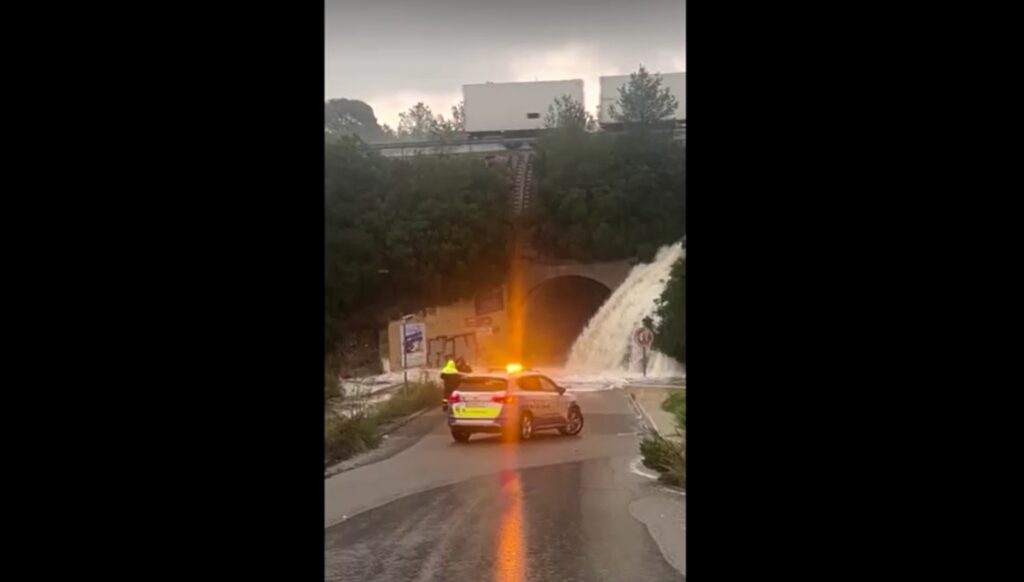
676	83
513	108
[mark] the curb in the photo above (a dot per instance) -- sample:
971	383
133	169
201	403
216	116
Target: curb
653	428
648	422
404	421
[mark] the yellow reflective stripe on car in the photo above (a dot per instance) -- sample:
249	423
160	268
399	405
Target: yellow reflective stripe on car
464	412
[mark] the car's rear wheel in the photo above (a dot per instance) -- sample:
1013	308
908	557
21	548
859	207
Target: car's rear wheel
574	424
525	426
460	436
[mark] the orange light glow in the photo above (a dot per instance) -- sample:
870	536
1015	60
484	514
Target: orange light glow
514	368
516	301
510	558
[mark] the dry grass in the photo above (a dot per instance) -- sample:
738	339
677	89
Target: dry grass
345	437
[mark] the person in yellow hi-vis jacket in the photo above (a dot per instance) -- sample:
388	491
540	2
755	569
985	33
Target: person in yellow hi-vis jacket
450	376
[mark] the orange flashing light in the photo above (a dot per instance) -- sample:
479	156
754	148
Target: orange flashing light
513	368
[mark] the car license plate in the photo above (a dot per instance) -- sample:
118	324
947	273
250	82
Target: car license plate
475	412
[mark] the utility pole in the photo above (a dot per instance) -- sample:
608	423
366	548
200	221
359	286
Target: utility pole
645	337
405	370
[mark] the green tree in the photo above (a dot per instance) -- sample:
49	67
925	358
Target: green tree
420	123
608	197
350	117
670	335
417	123
458	122
448	131
567	113
403	234
643	101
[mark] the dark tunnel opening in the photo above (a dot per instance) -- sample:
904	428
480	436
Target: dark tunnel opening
556	313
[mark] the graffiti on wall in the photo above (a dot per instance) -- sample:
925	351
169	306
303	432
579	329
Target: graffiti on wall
440	348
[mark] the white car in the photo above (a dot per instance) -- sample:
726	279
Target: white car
516	404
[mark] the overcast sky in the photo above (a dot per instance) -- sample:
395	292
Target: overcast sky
393	53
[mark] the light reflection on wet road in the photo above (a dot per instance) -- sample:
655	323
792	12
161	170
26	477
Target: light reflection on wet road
559	521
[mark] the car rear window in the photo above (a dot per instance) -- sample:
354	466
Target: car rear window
482	384
530	383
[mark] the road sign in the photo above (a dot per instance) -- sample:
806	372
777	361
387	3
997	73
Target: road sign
414	342
644	337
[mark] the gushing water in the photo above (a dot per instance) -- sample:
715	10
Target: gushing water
607	345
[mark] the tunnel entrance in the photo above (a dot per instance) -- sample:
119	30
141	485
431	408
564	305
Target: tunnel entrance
556	312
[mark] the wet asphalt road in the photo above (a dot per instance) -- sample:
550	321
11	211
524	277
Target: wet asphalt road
555	508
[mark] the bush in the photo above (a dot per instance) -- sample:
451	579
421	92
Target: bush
344	437
665	456
676	404
668	456
403	403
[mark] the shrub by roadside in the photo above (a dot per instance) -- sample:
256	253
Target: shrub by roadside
403	403
345	437
676	404
665	456
668	455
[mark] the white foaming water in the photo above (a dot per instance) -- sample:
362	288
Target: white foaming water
606	345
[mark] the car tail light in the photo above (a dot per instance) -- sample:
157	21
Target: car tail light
503	399
454	398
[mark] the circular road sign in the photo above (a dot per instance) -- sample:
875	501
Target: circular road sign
644	337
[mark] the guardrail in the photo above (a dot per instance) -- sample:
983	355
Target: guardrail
481	145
